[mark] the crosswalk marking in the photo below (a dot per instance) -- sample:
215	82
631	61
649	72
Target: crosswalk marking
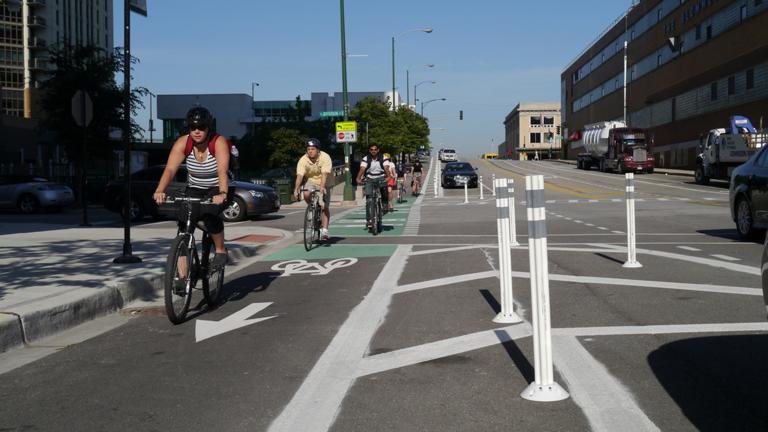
688	248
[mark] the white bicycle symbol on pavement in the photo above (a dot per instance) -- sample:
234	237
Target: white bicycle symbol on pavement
293	267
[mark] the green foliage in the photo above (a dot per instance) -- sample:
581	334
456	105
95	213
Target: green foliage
91	69
287	147
396	132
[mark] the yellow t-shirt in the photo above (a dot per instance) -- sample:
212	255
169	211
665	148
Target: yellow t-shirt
314	171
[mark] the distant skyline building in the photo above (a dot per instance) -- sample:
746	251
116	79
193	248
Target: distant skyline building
530	132
691	65
28	28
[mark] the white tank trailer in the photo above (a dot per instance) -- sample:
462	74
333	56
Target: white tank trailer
722	150
613	147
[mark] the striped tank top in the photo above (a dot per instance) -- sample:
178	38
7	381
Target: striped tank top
202	175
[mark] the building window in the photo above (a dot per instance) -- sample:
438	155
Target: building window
658	15
535	137
549	121
750	79
698	31
536	121
709	32
758	2
658	60
713	91
731	85
743	12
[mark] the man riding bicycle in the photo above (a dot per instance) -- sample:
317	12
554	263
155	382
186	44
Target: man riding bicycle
206	155
316	166
376	170
416	171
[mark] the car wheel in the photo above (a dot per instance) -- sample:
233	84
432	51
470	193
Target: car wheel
699	175
28	204
745	224
235	211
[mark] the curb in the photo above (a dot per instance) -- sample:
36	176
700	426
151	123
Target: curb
27	325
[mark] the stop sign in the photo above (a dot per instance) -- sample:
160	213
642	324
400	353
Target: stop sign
341	135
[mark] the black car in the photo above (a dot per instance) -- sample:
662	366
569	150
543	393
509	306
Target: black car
246	199
456	174
748	194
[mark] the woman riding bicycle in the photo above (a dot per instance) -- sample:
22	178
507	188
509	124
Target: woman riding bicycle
207	157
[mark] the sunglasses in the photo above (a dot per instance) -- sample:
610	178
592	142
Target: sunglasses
200	128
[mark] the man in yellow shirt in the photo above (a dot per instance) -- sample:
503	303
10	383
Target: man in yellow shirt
316	166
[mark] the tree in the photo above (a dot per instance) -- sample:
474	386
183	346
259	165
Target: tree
287	146
91	69
399	131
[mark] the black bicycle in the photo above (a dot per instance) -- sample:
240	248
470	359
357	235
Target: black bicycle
401	190
312	219
374	207
186	266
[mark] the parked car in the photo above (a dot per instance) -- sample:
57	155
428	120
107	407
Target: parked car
246	199
456	174
748	195
29	193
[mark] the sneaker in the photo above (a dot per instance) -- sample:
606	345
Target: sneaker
368	224
219	261
323	233
179	286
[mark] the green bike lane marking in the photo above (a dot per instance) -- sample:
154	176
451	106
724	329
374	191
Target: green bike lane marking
331	251
353	223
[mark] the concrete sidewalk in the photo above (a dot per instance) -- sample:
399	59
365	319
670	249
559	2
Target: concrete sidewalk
56	277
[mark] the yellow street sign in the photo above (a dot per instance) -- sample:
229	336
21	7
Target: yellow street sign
348	126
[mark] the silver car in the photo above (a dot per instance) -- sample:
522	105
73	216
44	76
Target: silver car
30	193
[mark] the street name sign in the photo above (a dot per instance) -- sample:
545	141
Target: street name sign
324	114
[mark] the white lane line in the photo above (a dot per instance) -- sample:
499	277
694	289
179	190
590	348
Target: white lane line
661	329
688	248
606	402
451	249
725	257
617	232
602	228
569	219
434	283
550	202
661	199
578	221
444	348
593	201
683	199
316	403
573	201
589	225
710	199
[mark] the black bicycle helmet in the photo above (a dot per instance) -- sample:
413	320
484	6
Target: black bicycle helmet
199	116
313	142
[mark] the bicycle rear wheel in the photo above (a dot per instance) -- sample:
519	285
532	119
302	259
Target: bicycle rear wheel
376	218
213	281
309	227
180	277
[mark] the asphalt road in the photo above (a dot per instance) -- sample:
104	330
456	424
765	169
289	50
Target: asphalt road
394	332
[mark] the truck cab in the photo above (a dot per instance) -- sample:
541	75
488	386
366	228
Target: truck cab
721	150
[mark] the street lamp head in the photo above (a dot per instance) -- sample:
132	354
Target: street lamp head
429	65
427	30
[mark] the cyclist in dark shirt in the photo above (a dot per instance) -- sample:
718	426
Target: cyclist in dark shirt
416	171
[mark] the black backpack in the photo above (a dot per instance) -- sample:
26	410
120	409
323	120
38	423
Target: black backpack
369	160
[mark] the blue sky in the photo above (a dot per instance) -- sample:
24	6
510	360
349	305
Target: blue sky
488	55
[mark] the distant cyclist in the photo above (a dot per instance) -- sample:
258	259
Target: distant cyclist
375	168
316	166
401	171
416	171
391	182
207	157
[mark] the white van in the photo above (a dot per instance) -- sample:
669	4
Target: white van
448	155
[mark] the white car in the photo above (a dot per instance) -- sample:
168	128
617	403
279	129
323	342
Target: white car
448	155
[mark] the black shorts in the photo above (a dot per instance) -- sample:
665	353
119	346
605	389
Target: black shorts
211	219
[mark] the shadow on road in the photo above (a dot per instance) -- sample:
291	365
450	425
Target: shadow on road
718	382
730	234
240	288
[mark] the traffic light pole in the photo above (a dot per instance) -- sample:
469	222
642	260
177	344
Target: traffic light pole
349	193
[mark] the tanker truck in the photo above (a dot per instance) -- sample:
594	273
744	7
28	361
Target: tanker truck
612	146
723	150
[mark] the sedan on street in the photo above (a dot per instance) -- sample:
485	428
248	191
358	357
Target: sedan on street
748	195
457	174
29	193
245	199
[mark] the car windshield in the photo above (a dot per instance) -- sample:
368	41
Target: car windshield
459	167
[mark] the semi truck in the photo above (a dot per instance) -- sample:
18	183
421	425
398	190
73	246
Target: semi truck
614	147
722	150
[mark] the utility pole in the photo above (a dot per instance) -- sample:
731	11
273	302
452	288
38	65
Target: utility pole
349	193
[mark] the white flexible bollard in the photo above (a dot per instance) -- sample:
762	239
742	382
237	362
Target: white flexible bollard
466	193
512	224
480	184
631	245
544	388
507	314
493	181
435	177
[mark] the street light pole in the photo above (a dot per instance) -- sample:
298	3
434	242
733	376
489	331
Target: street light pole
349	193
417	86
429	102
425	30
151	121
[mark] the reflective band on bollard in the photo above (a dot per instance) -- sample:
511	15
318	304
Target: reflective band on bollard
544	388
512	223
480	184
507	314
466	193
631	246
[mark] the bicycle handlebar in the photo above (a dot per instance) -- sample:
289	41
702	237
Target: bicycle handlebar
172	200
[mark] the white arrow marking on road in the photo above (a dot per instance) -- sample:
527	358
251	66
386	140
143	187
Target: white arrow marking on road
208	329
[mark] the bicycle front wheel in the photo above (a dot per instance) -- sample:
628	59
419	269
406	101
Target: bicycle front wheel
180	278
309	227
213	279
376	219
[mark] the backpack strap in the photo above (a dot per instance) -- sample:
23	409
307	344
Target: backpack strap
188	148
211	145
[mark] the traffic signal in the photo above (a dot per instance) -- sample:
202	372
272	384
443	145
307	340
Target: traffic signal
461	115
